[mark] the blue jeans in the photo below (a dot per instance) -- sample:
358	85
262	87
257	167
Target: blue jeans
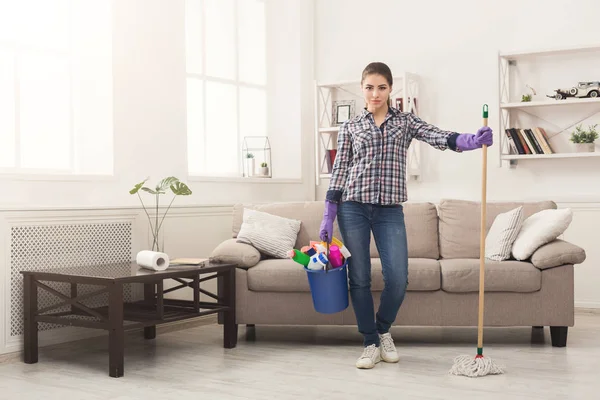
356	221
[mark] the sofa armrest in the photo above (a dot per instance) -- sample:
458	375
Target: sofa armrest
230	251
557	252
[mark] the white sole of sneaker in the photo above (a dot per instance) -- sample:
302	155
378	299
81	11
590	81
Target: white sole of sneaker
390	360
377	360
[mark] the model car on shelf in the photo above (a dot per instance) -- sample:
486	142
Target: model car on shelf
583	89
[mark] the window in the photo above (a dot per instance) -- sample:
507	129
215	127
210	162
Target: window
226	82
56	87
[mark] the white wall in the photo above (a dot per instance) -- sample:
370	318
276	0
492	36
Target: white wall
454	47
150	114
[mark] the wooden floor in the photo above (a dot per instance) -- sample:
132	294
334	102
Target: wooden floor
314	363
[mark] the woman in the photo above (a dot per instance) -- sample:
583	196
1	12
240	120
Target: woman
366	192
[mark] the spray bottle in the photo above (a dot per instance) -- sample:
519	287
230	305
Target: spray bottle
318	261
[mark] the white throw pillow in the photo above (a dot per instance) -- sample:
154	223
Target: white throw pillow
270	234
502	234
539	229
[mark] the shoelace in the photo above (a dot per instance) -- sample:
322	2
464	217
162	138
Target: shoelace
369	351
388	343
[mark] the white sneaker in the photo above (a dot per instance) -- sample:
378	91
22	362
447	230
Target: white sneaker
388	350
371	355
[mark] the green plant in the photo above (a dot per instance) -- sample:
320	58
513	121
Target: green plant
177	187
263	164
584	136
249	155
527	97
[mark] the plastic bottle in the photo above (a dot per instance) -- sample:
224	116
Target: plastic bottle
318	261
320	248
343	249
299	257
335	256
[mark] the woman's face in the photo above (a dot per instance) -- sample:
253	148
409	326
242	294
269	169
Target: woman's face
376	91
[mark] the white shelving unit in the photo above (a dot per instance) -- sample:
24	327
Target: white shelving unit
328	94
546	70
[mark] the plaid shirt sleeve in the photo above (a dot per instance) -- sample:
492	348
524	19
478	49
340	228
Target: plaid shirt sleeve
341	165
432	135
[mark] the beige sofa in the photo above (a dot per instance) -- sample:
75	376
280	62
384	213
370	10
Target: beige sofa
443	247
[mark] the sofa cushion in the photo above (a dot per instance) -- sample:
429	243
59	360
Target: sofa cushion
557	253
461	275
539	229
502	234
423	274
310	213
272	235
277	276
289	276
460	223
421	220
230	251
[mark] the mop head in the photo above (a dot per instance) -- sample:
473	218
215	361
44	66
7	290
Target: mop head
475	366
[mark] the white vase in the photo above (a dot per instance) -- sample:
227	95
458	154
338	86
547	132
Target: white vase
584	147
264	171
250	166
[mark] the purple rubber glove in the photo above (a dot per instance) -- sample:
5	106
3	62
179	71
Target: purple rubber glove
468	141
329	214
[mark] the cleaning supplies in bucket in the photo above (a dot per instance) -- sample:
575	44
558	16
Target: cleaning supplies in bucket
327	273
318	254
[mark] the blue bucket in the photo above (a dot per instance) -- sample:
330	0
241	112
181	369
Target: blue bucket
329	289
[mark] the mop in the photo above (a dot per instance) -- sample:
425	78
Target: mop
467	365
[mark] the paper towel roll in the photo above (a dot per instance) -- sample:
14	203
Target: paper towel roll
154	260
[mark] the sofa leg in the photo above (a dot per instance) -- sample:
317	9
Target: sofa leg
538	327
558	335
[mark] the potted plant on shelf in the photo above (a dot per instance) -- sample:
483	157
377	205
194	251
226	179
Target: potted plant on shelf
250	164
264	169
528	97
177	187
584	139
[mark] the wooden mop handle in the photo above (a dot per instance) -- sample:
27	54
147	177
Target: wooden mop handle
482	239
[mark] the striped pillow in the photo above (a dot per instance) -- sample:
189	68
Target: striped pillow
270	234
502	234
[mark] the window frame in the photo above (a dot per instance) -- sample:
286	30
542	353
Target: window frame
204	78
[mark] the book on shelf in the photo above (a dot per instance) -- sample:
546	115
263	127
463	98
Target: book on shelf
528	141
330	159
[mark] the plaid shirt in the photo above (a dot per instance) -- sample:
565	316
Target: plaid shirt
370	165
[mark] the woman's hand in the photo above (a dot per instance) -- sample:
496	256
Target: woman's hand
329	214
469	141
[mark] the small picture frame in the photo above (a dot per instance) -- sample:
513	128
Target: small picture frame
399	103
343	110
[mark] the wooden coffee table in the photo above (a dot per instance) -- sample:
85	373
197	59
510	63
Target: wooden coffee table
119	316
